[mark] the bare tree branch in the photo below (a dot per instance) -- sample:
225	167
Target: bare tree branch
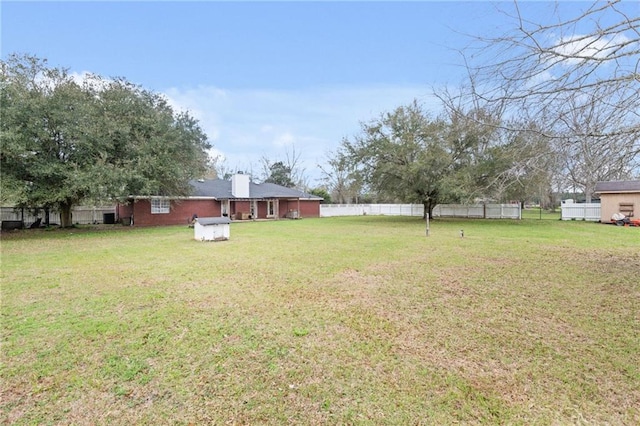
577	79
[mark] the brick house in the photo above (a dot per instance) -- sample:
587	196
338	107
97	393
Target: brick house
238	199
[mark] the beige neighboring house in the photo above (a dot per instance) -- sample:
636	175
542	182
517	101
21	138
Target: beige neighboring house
619	197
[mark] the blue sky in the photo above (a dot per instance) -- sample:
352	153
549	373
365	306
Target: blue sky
264	78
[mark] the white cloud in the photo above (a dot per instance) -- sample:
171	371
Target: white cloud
197	102
247	125
216	154
79	77
579	47
576	54
285	139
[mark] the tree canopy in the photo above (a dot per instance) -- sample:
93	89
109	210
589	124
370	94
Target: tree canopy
407	156
67	140
286	172
403	156
545	108
340	177
321	192
280	174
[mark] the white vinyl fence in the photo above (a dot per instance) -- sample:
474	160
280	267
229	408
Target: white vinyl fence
581	211
488	211
483	211
81	215
329	210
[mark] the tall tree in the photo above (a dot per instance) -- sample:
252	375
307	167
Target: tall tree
521	167
287	172
321	192
576	78
66	141
280	174
588	156
403	156
340	178
475	145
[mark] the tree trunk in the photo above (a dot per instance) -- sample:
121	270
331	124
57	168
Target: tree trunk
65	215
428	209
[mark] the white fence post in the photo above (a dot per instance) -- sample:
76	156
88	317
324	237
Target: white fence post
581	211
489	211
427	216
82	215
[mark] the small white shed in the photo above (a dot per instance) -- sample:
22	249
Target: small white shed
211	228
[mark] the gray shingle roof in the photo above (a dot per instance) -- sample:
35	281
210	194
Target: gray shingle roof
618	186
221	189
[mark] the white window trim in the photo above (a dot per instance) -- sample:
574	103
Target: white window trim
160	206
271	207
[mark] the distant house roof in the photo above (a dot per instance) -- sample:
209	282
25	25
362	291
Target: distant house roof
221	189
618	186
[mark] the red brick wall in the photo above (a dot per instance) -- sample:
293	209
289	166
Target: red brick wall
284	206
180	212
238	207
124	210
306	208
309	208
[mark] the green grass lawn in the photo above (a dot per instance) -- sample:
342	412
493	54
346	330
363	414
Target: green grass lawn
537	213
359	320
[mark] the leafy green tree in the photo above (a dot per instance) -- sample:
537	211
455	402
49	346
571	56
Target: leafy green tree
403	156
406	156
501	160
286	172
280	174
321	192
66	141
472	141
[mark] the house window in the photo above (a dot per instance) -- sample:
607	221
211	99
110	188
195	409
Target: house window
626	209
159	206
271	210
